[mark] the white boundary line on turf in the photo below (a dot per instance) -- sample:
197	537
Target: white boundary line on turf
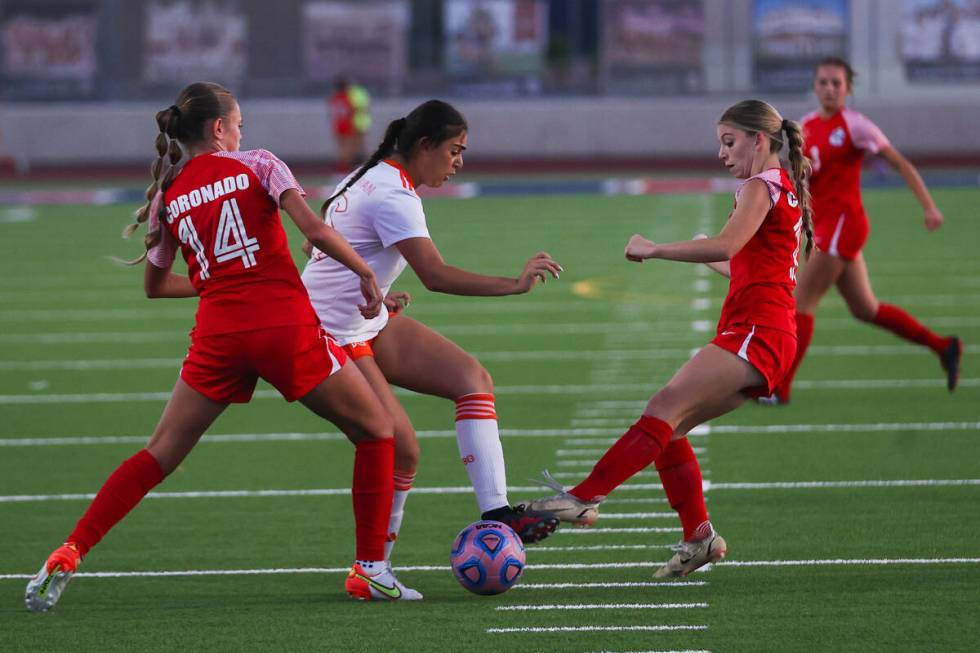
486	356
602	606
647	487
701	430
539	567
663	328
600	547
651	584
570	389
606	531
584	629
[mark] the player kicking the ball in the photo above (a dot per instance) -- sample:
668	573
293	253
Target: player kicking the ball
759	249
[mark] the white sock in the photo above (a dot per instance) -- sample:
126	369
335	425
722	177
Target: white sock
372	567
480	449
395	522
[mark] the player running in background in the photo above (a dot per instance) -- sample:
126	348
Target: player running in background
837	139
759	249
254	319
378	211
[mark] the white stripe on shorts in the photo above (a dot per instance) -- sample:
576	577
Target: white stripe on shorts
743	351
836	237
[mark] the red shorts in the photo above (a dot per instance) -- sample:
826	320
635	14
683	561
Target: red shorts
294	359
770	351
842	235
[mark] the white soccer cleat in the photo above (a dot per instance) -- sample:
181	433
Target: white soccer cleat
380	586
567	507
44	590
689	556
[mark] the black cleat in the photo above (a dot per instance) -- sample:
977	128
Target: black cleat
950	358
530	525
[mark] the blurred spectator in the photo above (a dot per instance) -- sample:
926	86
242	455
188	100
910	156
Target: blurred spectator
350	119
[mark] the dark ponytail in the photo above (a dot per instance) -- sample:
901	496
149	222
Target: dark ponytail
434	120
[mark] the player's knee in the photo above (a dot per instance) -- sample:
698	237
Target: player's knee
407	453
864	312
477	379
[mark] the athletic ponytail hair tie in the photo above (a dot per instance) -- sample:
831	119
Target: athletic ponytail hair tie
176	110
785	125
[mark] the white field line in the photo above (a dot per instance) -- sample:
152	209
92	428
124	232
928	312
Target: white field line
612	502
606	531
663	329
600	547
486	356
637	475
539	567
646	487
601	606
523	390
526	433
651	584
684	651
586	629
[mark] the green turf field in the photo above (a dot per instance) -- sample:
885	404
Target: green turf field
861	560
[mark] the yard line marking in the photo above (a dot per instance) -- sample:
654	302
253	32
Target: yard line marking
238	494
583	629
600	547
541	567
558	586
496	356
602	606
604	531
644	487
662	328
570	389
793	485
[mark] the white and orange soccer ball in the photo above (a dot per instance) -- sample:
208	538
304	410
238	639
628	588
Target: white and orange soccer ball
487	557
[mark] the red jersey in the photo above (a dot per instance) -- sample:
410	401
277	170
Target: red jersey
836	147
341	113
223	210
760	292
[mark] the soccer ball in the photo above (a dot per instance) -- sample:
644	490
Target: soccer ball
487	557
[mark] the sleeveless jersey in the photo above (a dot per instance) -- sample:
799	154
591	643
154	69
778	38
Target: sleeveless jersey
380	210
836	147
763	272
223	213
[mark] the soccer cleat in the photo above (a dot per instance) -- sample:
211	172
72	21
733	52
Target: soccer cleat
566	506
44	590
950	358
689	556
771	400
530	525
382	586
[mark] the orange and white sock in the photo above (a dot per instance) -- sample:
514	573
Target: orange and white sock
479	447
403	484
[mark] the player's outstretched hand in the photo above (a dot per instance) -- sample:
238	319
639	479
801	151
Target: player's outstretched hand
934	219
536	269
639	248
397	301
374	300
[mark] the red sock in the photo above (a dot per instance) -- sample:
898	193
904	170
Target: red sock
638	447
681	476
124	488
372	489
904	325
804	333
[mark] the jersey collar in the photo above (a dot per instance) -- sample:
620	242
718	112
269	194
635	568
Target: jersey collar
407	181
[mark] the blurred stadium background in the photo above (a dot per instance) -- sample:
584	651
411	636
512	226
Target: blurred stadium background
557	83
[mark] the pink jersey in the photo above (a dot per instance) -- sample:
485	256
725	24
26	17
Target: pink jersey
836	147
223	210
760	292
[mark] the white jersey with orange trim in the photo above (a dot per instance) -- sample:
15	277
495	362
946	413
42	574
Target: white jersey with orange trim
380	210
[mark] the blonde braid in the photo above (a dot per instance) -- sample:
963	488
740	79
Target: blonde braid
801	178
166	144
